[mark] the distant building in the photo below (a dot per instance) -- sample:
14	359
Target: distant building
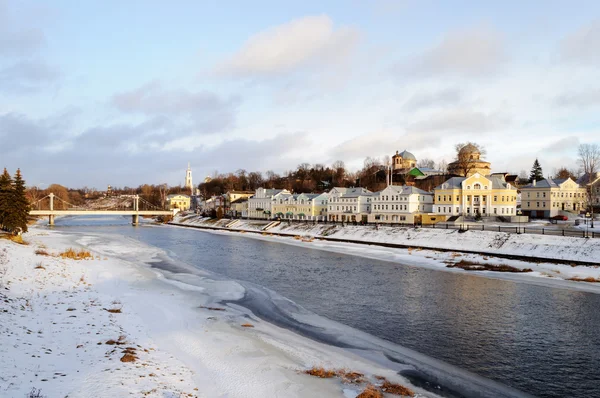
349	204
400	204
178	201
188	180
260	204
109	191
549	197
475	195
403	161
468	162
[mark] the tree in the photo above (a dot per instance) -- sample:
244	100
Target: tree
466	159
6	188
564	173
426	163
589	159
20	205
443	166
339	173
536	173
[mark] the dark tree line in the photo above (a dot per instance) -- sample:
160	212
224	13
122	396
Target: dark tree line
306	178
14	206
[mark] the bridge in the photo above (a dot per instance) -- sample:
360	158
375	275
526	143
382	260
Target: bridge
68	209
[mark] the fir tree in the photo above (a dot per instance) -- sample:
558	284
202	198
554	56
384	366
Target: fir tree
6	194
20	203
536	172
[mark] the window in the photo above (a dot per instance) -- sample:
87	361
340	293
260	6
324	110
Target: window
495	210
528	204
495	198
503	210
537	194
444	198
457	209
439	198
468	187
477	186
537	204
543	194
457	198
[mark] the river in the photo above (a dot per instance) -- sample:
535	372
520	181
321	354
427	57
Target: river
540	340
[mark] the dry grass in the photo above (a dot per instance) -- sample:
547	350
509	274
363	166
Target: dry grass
350	376
396	389
77	255
42	252
587	279
13	238
247	325
321	372
474	266
370	392
128	358
113	310
40	266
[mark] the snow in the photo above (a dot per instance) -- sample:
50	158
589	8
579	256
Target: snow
428	240
55	326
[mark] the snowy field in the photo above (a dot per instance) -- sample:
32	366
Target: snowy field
490	243
67	324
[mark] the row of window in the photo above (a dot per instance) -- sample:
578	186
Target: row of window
397	198
476	198
385	207
555	194
503	210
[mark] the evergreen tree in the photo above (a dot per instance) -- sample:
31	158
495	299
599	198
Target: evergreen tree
536	172
20	203
6	194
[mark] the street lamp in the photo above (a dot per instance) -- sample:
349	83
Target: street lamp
519	213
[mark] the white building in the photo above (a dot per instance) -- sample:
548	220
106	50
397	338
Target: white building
400	204
349	204
261	204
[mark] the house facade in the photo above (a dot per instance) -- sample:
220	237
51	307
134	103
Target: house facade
549	197
400	204
178	201
349	204
475	195
260	205
305	206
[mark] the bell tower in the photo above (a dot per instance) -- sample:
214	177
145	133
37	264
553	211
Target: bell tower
188	179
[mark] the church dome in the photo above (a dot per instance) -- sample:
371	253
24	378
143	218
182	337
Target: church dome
469	149
407	155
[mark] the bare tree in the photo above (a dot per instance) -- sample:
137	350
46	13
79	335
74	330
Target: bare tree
443	166
564	173
339	172
466	160
426	163
589	160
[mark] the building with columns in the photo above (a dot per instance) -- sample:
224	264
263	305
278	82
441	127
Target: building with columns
349	204
475	195
261	204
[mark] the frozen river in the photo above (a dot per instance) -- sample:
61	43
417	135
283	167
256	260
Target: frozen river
541	340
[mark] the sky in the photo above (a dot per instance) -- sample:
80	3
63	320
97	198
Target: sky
125	93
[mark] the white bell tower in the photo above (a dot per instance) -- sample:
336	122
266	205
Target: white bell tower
188	179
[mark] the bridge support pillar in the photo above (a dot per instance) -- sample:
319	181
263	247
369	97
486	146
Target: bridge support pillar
51	219
135	219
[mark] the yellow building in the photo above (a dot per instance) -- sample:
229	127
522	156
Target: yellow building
305	206
178	201
548	198
475	195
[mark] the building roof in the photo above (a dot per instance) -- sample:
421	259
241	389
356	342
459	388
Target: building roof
468	149
452	183
547	183
406	190
177	194
585	179
407	155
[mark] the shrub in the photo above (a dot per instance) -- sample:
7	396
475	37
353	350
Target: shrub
397	389
41	252
35	393
370	392
321	372
76	255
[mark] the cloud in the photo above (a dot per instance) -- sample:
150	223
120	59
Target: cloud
582	99
473	52
379	144
203	111
286	47
562	145
427	100
28	76
583	45
460	121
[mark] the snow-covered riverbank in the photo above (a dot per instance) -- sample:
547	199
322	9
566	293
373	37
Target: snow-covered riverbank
56	331
451	241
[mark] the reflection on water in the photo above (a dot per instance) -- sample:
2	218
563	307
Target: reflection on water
541	340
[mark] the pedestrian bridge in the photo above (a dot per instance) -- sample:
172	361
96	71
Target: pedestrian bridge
67	209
